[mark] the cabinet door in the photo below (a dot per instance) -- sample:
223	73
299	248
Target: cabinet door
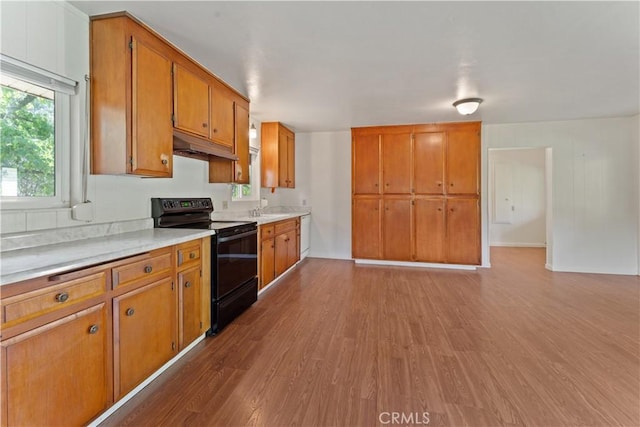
190	305
293	254
463	160
396	163
366	228
428	162
267	262
241	166
286	158
366	164
396	226
222	115
291	160
281	253
191	102
57	374
463	231
145	331
429	226
151	128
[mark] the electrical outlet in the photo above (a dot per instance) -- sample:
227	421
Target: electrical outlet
225	204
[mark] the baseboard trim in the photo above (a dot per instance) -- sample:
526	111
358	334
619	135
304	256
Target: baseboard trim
518	245
548	266
415	264
106	414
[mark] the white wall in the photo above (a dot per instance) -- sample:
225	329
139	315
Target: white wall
524	222
635	131
595	189
55	36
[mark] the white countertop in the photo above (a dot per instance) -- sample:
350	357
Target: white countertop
29	263
264	218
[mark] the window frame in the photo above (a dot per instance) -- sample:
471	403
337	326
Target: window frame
63	89
254	180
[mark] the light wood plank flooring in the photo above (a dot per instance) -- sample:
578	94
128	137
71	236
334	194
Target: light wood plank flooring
338	344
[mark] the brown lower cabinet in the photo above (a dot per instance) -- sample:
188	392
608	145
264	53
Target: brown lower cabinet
279	248
145	327
420	228
74	343
57	373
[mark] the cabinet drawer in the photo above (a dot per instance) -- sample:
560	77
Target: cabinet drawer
283	226
152	268
267	231
188	254
31	304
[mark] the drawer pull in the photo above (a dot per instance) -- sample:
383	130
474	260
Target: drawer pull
187	284
93	329
148	269
129	312
192	255
62	297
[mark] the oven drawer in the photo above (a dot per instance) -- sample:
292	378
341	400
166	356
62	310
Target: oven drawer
157	265
26	306
188	254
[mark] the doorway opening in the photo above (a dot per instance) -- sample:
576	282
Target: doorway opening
520	214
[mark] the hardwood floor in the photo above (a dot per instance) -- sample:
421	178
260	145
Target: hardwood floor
338	344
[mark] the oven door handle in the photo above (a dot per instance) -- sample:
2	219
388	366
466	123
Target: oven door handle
237	236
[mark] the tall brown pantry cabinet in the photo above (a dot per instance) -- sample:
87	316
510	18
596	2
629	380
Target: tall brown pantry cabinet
416	193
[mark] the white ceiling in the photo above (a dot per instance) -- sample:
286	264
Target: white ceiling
319	66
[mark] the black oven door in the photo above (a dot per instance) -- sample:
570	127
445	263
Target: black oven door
234	261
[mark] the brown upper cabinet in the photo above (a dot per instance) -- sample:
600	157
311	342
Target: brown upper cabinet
396	165
190	102
428	152
223	107
463	160
146	94
365	168
131	100
278	156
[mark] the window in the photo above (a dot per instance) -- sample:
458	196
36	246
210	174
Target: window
249	191
34	136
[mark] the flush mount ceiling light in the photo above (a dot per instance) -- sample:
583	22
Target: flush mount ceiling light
467	106
253	132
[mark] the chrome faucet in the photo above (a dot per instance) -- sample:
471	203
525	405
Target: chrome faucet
255	212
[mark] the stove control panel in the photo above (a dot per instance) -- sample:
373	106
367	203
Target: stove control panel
161	206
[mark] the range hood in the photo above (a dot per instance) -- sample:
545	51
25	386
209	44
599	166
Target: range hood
192	146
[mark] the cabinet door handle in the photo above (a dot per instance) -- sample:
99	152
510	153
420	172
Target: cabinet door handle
62	297
439	209
204	125
148	269
129	312
375	185
187	284
165	162
439	184
192	255
215	130
451	184
93	329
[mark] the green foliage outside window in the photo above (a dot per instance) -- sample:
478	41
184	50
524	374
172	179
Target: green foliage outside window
238	191
27	143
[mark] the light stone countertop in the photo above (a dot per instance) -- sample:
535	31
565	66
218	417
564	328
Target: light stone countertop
30	263
264	218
